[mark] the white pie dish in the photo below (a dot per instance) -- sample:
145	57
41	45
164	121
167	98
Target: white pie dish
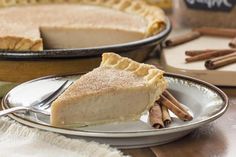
206	102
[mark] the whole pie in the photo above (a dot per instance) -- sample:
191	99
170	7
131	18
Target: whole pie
119	89
51	24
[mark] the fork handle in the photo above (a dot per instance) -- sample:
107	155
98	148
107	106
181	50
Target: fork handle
13	110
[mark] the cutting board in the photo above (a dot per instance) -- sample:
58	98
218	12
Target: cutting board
173	60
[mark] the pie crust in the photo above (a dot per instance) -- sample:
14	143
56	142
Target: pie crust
152	76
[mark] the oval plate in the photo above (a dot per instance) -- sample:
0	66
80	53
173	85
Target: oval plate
205	101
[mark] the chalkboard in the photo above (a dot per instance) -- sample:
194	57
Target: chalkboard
211	5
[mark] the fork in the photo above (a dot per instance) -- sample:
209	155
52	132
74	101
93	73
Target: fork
41	106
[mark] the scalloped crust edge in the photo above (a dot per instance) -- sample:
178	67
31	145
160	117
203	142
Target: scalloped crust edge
154	77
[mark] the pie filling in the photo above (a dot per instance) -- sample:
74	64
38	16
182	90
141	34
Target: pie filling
115	105
54	37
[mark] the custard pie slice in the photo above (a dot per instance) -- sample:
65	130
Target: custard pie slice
120	89
52	24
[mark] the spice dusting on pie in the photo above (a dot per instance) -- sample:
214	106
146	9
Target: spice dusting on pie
120	89
35	25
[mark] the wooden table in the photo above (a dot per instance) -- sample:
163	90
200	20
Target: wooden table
217	139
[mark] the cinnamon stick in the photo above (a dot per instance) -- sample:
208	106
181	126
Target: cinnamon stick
220	61
221	32
193	53
155	116
207	55
170	97
182	38
233	43
176	110
165	115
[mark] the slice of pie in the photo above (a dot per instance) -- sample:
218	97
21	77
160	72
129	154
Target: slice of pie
119	90
47	24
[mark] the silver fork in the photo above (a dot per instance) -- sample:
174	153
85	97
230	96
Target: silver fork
40	107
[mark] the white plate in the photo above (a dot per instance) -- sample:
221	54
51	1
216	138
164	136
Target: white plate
205	101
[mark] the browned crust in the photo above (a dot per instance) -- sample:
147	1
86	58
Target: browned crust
152	75
20	43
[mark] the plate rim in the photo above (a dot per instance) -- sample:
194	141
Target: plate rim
103	134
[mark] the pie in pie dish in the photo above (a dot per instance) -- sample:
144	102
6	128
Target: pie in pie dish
52	24
119	89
